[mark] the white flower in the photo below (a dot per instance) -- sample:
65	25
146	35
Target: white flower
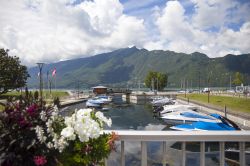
102	118
43	116
68	133
62	143
50	129
109	122
55	113
49	145
40	134
69	121
83	113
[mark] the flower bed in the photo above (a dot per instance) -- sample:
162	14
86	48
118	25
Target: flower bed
32	134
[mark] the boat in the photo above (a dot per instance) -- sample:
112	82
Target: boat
223	124
91	104
104	99
161	102
187	116
177	107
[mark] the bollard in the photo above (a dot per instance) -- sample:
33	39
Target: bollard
225	111
188	100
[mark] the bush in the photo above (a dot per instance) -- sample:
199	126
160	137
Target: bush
33	134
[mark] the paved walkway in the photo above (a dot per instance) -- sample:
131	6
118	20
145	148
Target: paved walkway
240	118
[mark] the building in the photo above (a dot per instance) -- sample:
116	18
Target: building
100	90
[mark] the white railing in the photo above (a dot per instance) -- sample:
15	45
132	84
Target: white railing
183	137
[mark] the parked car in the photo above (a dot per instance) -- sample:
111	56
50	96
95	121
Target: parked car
205	90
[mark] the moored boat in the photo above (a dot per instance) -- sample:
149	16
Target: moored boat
222	124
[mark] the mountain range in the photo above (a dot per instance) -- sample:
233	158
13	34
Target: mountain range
129	66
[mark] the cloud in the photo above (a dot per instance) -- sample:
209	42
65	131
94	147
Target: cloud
186	33
48	31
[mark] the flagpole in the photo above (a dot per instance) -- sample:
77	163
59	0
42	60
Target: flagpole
55	82
47	83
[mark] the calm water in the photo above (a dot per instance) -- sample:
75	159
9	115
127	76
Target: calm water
127	116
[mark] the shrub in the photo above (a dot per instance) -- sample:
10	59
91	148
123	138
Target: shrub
34	134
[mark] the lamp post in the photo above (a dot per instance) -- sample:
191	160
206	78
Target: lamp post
185	87
199	82
208	82
40	66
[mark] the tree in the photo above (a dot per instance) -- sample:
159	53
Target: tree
238	78
13	75
156	80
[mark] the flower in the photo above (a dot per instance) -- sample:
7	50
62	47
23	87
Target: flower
111	142
40	134
31	110
43	116
40	160
68	133
102	118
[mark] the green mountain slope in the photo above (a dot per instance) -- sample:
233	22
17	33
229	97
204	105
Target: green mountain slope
130	65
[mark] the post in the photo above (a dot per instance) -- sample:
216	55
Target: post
183	149
164	151
199	82
157	84
225	111
202	154
185	87
242	153
143	153
40	66
50	84
78	89
208	96
122	154
222	153
230	82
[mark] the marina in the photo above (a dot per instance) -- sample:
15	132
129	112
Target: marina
125	83
142	134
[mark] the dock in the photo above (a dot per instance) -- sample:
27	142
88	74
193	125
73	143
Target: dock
70	102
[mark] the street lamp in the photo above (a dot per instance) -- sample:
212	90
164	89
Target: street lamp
208	82
40	66
199	82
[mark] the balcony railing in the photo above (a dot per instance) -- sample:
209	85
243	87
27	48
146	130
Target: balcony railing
185	136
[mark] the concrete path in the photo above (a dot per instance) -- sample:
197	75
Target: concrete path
242	119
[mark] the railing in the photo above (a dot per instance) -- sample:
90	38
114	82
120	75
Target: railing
186	136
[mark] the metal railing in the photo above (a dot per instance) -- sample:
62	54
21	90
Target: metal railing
185	136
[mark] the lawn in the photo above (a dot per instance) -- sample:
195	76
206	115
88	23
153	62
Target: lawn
233	103
45	93
48	97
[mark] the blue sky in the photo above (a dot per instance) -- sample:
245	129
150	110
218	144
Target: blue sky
50	31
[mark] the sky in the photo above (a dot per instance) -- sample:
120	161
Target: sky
54	30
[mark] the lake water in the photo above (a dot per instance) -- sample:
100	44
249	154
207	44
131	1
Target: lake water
127	116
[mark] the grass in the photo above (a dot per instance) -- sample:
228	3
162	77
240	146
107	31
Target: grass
1	108
48	97
45	93
233	103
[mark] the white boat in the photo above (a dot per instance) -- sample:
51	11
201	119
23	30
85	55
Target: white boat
161	102
90	104
104	99
188	116
177	107
222	124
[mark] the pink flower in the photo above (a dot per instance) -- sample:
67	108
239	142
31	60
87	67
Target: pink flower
31	110
22	122
40	160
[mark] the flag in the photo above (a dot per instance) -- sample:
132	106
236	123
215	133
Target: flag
54	72
38	74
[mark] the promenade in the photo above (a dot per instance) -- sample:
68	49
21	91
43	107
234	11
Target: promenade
242	119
